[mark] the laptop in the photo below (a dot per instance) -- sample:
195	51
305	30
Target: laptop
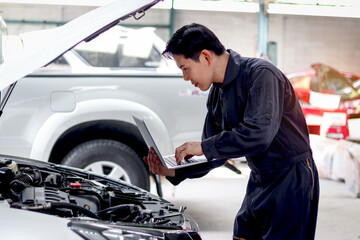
168	161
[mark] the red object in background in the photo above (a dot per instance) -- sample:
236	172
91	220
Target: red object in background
327	80
327	122
352	77
323	79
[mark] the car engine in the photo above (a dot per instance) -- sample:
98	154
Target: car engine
76	194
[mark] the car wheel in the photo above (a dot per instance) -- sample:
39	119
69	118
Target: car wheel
110	158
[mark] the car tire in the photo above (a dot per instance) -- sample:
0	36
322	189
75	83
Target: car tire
110	158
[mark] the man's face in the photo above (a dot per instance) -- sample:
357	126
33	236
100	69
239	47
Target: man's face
198	72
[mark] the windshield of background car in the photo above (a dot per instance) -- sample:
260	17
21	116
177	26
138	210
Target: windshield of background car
118	59
122	48
335	83
118	48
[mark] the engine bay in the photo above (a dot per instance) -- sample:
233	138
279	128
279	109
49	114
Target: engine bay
72	193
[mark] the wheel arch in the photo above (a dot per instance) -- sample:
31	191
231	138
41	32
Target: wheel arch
108	118
121	131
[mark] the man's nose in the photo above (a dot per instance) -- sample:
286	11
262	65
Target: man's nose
186	77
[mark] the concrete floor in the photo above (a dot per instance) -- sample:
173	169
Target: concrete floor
214	200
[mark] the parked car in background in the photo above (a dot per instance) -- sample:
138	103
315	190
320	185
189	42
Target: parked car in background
78	109
41	200
326	80
326	96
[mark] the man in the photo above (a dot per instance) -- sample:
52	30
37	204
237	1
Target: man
253	112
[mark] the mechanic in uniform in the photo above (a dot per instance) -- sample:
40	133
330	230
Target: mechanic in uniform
253	111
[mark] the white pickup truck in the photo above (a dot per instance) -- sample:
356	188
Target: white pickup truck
78	110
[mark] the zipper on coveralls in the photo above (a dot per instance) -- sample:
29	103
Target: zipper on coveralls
224	108
312	176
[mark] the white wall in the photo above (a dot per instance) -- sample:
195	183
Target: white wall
306	40
237	31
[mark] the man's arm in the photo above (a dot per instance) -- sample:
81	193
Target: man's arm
262	118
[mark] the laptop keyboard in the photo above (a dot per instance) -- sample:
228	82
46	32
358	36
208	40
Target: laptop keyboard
171	160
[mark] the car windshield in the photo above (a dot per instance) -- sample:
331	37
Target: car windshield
118	59
121	48
330	81
338	84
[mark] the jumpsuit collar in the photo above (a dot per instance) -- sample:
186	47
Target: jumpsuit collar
232	68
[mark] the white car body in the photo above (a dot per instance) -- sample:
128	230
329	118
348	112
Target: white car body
39	200
52	110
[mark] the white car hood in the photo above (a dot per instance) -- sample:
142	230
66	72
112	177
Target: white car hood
41	47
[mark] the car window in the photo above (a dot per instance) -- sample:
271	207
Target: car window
99	59
117	59
337	84
60	61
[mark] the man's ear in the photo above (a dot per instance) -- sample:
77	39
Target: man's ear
207	55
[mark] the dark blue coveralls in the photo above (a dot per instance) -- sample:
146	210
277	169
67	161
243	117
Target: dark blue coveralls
255	113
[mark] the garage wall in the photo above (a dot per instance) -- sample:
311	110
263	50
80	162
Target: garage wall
237	31
306	40
301	40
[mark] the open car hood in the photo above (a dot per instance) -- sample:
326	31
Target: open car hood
41	47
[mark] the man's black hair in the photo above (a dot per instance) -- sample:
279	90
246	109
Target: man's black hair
190	40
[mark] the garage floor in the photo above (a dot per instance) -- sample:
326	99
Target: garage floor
214	200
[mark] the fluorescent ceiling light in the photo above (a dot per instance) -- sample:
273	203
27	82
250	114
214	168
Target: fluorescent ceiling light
311	10
322	2
219	6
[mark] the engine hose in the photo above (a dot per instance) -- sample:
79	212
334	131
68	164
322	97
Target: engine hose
125	210
29	176
55	205
25	178
17	186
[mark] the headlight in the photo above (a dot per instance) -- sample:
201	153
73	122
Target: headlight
98	231
91	230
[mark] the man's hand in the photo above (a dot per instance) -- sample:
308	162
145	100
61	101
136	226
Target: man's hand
155	166
187	150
